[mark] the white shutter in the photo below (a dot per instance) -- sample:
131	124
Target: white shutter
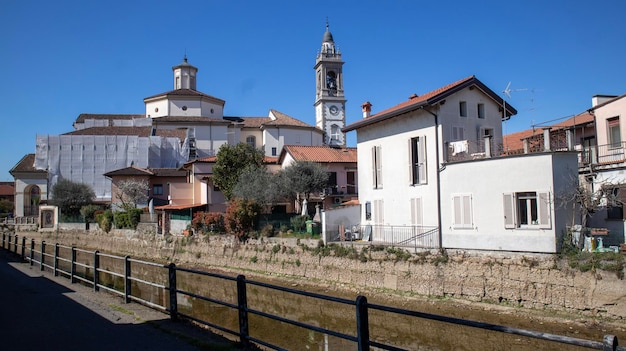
543	204
509	211
374	167
421	150
379	158
467	211
416	211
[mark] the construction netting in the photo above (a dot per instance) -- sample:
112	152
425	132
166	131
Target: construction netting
86	158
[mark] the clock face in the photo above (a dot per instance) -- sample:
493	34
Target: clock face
334	110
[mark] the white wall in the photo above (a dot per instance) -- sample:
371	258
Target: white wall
486	181
396	191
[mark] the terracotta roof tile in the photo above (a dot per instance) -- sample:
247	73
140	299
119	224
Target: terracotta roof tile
188	119
285	120
168	172
321	154
7	189
26	164
129	171
429	98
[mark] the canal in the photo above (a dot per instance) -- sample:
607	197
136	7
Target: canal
409	333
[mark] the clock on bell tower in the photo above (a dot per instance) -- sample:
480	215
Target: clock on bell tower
330	102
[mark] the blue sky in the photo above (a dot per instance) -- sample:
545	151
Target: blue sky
62	58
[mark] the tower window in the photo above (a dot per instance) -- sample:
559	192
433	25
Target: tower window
331	83
335	134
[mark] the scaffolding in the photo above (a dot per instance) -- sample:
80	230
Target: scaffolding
86	158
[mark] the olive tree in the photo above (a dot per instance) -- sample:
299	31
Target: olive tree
70	196
302	178
261	186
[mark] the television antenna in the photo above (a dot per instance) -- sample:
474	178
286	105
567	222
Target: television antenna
507	92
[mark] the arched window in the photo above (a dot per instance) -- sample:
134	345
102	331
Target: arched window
251	140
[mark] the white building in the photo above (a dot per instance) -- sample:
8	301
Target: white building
430	175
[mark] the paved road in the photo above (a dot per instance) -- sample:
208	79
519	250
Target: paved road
41	312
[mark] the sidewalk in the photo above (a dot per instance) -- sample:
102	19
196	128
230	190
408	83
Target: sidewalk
41	312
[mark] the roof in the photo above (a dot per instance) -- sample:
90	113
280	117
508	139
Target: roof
177	207
429	99
85	116
138	131
128	171
514	141
26	164
168	172
213	159
185	92
320	154
607	102
189	119
7	188
281	120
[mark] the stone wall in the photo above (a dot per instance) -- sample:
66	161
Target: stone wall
539	281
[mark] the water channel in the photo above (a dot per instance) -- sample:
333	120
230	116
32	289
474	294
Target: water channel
409	333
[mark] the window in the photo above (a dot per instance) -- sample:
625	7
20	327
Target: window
481	110
462	211
251	140
334	134
527	210
417	216
377	167
157	189
417	152
332	182
273	151
463	109
458	133
368	211
615	137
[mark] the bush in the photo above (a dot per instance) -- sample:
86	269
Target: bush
105	220
299	223
128	219
89	212
240	216
208	222
268	231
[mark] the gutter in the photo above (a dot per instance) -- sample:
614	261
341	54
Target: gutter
438	176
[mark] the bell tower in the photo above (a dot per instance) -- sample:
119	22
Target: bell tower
330	103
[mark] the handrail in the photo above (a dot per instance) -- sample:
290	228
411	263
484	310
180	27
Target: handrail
361	305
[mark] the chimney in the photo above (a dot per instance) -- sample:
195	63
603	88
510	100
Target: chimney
366	108
599	99
414	96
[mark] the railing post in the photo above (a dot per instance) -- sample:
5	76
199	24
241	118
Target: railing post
32	251
15	244
171	268
362	324
3	238
96	263
242	303
73	265
127	291
56	259
42	255
23	247
609	343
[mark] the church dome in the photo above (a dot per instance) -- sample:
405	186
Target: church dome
328	37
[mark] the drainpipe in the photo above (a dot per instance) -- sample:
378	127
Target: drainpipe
438	176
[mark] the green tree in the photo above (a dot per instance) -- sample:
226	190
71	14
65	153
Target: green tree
231	162
302	178
70	196
6	206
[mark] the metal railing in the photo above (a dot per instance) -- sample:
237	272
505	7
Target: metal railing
408	236
40	254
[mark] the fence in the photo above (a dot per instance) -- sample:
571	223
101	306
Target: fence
75	257
406	236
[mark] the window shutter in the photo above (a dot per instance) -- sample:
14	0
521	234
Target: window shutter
379	158
421	151
411	162
509	208
374	167
456	208
544	209
467	211
418	212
